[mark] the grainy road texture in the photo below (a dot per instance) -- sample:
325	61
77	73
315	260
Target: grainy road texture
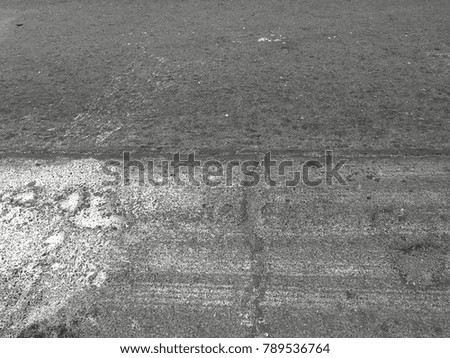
83	259
100	76
226	79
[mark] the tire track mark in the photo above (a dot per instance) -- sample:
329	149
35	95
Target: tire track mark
255	292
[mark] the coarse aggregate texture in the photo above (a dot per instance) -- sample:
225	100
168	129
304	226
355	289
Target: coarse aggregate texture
83	258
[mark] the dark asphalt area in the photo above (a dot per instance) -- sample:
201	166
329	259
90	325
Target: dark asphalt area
226	76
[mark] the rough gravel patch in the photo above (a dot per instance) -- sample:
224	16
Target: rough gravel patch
83	258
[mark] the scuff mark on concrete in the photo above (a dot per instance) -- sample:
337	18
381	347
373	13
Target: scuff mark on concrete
254	295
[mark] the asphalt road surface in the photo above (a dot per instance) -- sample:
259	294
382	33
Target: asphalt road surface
91	77
82	81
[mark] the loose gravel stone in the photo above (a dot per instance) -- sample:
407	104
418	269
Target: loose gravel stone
72	203
27	197
55	240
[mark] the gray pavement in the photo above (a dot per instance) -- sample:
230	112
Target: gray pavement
81	258
82	81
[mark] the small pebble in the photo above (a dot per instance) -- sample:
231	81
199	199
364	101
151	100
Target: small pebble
55	240
25	198
72	203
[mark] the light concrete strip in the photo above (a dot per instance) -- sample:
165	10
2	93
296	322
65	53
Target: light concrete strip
109	260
